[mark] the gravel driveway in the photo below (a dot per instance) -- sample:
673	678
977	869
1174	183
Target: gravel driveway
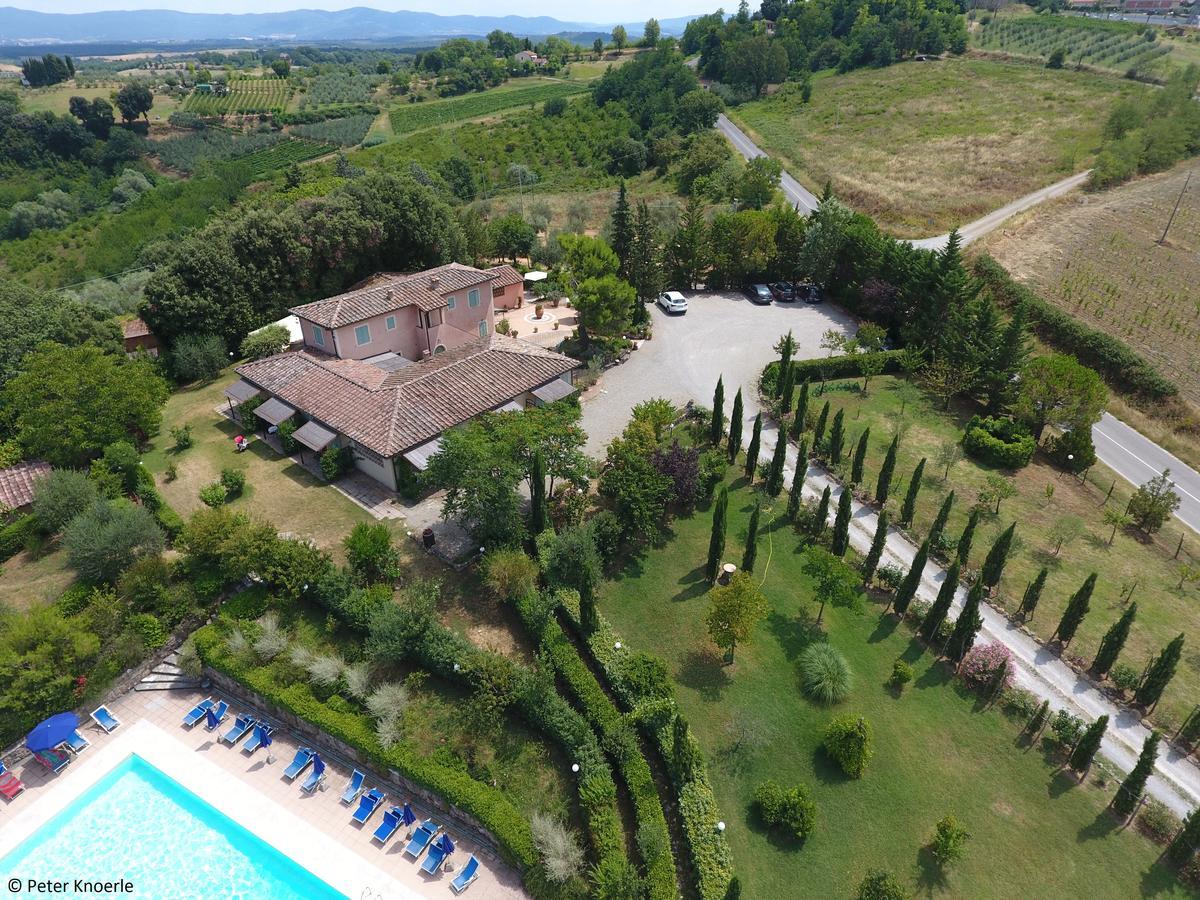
722	334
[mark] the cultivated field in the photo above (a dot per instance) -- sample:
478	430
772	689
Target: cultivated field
57	99
1096	256
415	116
925	146
246	96
1117	46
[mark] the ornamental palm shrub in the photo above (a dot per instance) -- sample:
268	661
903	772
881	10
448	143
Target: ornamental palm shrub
272	639
561	854
825	676
848	740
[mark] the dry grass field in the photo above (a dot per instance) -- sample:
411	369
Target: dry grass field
1097	257
925	146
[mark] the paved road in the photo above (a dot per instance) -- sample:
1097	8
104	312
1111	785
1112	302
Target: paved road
797	195
1138	459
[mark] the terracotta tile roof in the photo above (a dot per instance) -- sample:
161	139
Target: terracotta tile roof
135	328
16	483
386	293
390	412
503	276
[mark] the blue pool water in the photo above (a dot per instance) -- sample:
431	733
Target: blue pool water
139	825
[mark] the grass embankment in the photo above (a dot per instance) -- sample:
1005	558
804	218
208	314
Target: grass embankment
1131	562
57	98
410	117
922	147
1034	832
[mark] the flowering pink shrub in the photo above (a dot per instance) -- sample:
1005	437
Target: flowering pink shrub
981	663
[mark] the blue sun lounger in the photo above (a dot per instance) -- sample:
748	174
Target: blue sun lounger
354	788
216	716
369	802
464	879
389	826
301	762
425	833
197	712
254	743
433	860
316	777
76	742
239	729
106	720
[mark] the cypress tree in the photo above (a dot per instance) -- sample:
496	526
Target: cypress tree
1113	640
938	528
751	552
860	457
752	450
786	346
909	507
1184	844
967	537
798	423
841	524
837	437
1129	794
822	514
871	563
1033	593
795	491
537	495
993	565
716	543
819	430
775	471
1077	608
622	231
885	473
1160	673
716	430
735	427
1038	720
789	389
967	626
941	606
1085	750
908	587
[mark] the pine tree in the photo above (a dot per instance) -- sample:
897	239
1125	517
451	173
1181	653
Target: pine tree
1129	794
938	528
841	524
537	521
642	268
751	552
1077	608
787	346
1159	675
735	427
716	429
775	471
993	564
622	231
871	563
819	430
752	450
860	457
1085	750
884	484
837	437
716	543
1033	593
822	514
909	508
967	625
941	606
687	252
798	423
908	587
795	492
967	537
1007	361
1184	844
1113	641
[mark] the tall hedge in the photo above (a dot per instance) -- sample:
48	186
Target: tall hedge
827	367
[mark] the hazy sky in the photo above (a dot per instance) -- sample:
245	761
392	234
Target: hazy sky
578	11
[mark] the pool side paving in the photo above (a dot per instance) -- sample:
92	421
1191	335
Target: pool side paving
314	830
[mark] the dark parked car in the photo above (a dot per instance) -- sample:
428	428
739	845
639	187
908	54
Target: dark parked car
810	292
759	293
784	291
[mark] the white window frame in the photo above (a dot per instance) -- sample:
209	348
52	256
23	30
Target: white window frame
358	342
450	302
318	334
483	328
473	298
390	323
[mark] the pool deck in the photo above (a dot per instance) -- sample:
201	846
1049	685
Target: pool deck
315	830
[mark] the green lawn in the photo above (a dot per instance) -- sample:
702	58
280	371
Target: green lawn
1132	562
925	146
937	752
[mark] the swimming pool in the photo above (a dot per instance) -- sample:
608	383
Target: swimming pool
139	825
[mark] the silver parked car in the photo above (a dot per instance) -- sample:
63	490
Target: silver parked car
673	302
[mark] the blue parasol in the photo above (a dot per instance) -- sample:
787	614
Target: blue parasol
264	736
406	815
52	732
210	719
445	844
318	765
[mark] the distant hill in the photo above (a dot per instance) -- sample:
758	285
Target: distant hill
20	26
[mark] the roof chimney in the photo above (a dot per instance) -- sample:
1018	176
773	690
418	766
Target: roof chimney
390	295
434	281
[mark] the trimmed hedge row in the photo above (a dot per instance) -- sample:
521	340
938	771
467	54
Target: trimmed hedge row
14	535
1122	367
616	734
829	367
486	804
711	860
1000	442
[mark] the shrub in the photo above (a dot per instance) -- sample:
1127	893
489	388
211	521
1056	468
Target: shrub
272	639
606	530
1068	729
265	342
198	357
824	674
285	430
982	664
234	482
949	841
1072	451
902	674
74	599
713	466
148	629
1124	677
214	495
999	442
370	553
561	854
792	810
107	537
881	885
510	574
59	497
336	462
827	367
848	740
1157	822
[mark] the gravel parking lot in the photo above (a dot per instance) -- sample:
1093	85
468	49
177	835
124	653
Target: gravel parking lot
721	334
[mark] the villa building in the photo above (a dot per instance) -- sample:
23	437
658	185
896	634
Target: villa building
386	368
